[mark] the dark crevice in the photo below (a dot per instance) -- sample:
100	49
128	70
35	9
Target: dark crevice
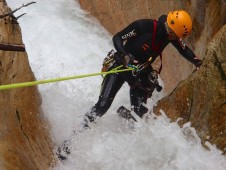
219	66
26	136
13	76
21	127
18	115
190	109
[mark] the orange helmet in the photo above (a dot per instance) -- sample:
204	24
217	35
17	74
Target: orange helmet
180	22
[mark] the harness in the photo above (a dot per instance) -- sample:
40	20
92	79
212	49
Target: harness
154	48
110	59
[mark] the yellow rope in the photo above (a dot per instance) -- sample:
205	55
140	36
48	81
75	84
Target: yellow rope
33	83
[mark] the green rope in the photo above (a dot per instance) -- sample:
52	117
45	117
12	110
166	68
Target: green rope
33	83
116	68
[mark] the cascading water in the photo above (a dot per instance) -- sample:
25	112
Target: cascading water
62	40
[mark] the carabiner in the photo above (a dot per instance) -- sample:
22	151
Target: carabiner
132	66
140	67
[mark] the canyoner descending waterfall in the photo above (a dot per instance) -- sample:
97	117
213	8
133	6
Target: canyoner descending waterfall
62	40
137	46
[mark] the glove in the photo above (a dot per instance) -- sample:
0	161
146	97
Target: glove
128	59
153	77
158	88
197	63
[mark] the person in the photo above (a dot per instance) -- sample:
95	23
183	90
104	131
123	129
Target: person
140	43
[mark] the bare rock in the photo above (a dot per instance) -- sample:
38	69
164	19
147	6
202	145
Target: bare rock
25	142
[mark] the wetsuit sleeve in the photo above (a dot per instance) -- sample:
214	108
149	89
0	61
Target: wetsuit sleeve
185	51
136	28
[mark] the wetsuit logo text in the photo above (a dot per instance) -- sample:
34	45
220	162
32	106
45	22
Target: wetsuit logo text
130	34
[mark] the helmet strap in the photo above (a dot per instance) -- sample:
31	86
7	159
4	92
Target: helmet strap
167	28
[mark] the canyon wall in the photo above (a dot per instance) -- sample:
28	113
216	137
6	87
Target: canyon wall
25	142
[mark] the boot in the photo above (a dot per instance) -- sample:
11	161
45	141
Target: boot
140	110
125	113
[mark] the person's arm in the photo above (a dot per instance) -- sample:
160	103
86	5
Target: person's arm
186	52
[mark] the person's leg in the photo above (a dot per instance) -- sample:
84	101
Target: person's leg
110	86
137	98
138	95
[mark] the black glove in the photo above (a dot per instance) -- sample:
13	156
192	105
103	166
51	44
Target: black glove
153	80
158	88
197	63
127	59
153	77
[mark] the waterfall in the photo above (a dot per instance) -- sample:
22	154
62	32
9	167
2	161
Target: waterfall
63	40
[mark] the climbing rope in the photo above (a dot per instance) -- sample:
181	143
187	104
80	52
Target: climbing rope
34	83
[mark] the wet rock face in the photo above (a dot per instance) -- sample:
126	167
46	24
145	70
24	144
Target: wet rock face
201	97
24	136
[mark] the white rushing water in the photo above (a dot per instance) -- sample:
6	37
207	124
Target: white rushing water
62	40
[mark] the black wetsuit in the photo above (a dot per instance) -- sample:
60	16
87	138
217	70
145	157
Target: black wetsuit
132	40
